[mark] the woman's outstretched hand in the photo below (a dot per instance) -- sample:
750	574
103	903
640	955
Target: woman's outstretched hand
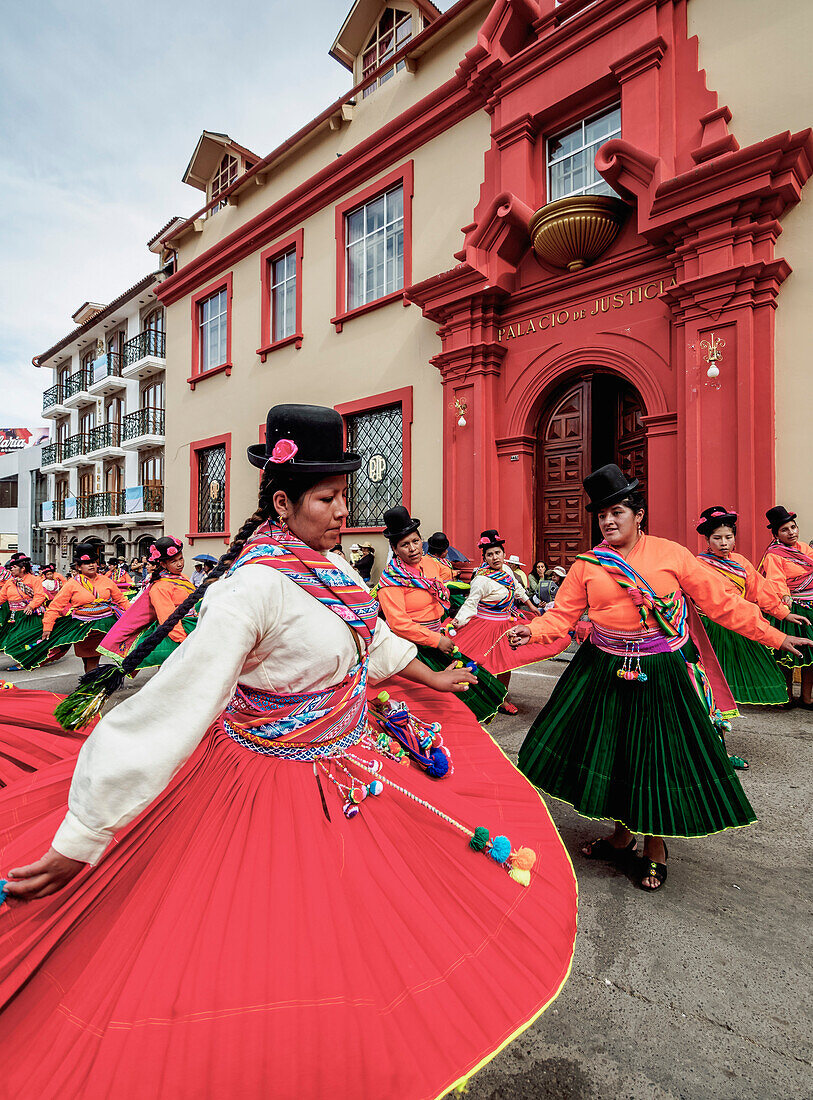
791	645
42	878
454	679
520	635
798	620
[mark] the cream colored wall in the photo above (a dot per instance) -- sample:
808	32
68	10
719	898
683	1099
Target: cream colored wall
757	57
383	350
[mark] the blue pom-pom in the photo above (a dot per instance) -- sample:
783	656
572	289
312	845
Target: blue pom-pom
500	849
3	885
376	787
472	667
440	766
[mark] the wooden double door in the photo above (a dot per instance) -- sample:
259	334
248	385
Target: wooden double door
596	419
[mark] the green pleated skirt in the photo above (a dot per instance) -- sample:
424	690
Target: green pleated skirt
20	635
645	754
483	698
458	594
34	652
164	648
796	631
750	668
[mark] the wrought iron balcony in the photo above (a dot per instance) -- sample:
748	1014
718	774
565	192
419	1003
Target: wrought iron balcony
52	396
52	510
79	381
153	498
144	422
74	446
100	504
51	454
148	344
105	435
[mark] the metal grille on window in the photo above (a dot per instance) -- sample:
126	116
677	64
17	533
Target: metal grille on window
378	485
212	489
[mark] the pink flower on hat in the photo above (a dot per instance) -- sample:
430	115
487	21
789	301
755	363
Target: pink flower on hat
284	450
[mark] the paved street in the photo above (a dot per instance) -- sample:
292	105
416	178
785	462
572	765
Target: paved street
702	991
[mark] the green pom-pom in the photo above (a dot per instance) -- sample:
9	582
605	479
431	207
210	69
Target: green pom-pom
480	839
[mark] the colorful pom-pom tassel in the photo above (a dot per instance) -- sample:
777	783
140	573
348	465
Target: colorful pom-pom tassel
349	809
500	849
376	787
440	764
3	885
523	859
480	839
520	875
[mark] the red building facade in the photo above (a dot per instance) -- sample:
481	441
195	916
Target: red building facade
555	371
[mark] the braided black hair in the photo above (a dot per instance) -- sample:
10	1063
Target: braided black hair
96	686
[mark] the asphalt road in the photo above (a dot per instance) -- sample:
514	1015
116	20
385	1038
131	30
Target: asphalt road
700	992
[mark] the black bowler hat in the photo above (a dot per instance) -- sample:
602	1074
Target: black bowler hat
778	516
714	517
85	552
398	523
305	439
437	543
607	485
18	559
490	538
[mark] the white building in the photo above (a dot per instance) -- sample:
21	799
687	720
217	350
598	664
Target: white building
22	491
104	396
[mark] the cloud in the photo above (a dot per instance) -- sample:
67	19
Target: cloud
98	129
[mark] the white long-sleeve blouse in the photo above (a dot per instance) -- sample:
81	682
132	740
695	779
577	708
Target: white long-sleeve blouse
486	588
256	627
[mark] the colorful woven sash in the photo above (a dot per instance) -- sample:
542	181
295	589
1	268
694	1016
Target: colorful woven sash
733	572
302	726
619	643
498	609
800	587
312	571
669	613
100	608
26	594
398	575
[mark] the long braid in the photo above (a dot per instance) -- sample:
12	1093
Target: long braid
96	686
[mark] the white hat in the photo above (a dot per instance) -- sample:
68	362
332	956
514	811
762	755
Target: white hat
559	571
355	546
514	560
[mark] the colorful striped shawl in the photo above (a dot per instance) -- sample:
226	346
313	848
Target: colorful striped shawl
668	613
270	545
797	586
506	579
733	572
397	575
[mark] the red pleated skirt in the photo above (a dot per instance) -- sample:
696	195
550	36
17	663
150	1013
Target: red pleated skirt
30	736
232	942
485	641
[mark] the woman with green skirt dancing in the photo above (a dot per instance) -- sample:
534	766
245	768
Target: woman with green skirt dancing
629	732
22	600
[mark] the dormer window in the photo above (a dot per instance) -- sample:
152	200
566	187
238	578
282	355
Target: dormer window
224	177
393	30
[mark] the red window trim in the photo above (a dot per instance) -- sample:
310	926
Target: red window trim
197	374
405	175
402	397
194	484
267	258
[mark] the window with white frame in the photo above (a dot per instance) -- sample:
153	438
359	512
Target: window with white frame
572	154
283	296
213	330
392	31
374	242
224	177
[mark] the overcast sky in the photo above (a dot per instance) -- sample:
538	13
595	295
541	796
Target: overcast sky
101	105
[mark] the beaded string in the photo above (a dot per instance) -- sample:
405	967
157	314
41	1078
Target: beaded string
632	652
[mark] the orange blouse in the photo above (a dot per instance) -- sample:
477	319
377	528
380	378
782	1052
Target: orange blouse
666	566
165	595
405	609
11	594
445	572
766	594
778	570
73	594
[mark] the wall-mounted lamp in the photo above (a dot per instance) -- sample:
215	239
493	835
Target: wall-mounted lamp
713	355
460	407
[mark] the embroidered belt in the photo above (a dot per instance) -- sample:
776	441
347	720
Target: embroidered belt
485	612
306	726
91	612
619	643
433	624
20	605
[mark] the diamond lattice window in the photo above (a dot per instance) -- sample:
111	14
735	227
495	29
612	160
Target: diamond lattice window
378	485
212	489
